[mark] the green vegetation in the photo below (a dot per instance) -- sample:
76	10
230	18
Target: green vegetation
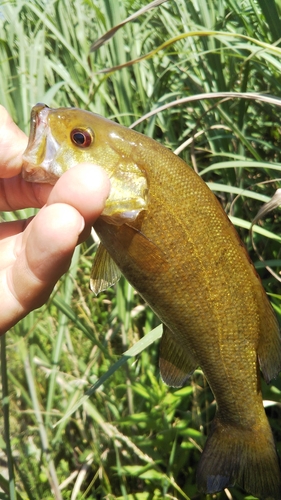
134	438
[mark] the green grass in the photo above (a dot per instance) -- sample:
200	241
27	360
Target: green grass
79	421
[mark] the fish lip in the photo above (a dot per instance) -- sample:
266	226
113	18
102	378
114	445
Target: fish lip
39	156
34	173
38	119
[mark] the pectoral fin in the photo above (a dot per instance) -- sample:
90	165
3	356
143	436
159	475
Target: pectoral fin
104	271
176	366
144	252
131	248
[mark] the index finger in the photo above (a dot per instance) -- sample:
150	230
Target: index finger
15	193
13	142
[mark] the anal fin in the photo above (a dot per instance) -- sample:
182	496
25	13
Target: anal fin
176	365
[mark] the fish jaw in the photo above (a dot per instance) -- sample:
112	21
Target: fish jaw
39	158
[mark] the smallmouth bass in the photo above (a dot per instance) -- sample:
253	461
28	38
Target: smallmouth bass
166	232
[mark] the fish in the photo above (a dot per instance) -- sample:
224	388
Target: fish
166	232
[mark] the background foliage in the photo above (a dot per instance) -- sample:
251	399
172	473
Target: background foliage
134	438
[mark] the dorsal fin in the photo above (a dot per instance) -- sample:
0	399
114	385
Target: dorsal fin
269	344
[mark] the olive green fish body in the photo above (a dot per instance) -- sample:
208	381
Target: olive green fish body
171	239
202	284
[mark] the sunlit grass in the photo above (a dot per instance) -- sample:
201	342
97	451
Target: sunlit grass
131	437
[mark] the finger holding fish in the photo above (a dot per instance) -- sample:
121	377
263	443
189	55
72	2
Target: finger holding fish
37	251
86	188
13	143
38	256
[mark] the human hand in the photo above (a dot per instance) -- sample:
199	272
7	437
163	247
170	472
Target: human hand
36	252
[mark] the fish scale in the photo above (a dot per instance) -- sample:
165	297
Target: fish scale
167	233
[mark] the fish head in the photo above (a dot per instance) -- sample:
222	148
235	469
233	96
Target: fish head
61	138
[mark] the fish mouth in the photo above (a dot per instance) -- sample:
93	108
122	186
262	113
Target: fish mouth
41	150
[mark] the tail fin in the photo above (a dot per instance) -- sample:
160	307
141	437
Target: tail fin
240	455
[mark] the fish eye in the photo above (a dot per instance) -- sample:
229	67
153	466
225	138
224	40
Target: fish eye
82	138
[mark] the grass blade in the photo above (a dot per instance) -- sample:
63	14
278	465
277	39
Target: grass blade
133	351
